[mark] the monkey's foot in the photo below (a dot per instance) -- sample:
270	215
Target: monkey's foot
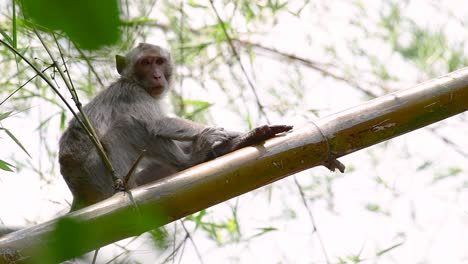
332	165
119	185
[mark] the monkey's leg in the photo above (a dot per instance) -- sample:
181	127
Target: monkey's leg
89	181
150	173
123	148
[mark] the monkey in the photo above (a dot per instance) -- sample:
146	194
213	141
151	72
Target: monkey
128	118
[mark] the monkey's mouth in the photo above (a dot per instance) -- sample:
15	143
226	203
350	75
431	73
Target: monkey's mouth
156	90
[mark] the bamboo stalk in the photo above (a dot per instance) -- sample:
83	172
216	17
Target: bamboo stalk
249	168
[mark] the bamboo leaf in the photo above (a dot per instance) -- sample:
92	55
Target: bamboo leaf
199	106
100	26
264	230
15	140
5	115
62	120
7	38
381	252
6	166
14	28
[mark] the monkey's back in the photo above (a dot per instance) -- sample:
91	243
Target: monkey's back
116	100
80	163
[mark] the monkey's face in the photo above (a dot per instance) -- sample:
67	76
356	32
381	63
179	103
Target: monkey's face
153	72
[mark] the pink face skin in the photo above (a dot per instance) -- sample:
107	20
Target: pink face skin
150	71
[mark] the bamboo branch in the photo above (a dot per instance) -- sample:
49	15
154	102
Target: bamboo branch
247	169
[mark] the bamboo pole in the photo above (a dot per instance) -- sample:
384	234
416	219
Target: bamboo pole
247	169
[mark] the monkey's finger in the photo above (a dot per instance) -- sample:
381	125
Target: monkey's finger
265	132
252	137
233	134
260	134
276	129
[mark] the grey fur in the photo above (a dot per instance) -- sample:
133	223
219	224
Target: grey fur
128	120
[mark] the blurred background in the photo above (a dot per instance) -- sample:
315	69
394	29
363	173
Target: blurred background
241	64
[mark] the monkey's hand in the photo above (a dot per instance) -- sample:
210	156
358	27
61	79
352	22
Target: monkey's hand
252	137
258	135
209	138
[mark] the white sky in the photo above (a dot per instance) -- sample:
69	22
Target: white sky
432	219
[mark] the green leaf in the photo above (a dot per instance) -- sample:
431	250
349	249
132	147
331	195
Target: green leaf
197	103
46	121
194	4
197	218
89	23
14	31
218	31
6	166
248	119
15	140
5	115
7	38
354	258
373	207
199	106
160	238
232	225
447	173
381	252
247	10
276	5
62	120
264	230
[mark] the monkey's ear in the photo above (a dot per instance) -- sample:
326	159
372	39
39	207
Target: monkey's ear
121	63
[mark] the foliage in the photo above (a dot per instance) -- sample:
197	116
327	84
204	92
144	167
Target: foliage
90	24
301	63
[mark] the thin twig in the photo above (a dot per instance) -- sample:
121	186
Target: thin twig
449	142
303	61
172	255
95	255
236	55
68	81
85	120
309	63
47	80
182	58
24	84
312	220
174	239
90	66
193	242
133	168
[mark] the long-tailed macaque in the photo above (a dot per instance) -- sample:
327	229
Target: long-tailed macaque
128	117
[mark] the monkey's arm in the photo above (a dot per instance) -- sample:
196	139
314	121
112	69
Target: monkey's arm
185	130
258	135
178	128
175	155
252	137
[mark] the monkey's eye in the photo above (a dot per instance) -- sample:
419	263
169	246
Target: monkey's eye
160	61
145	62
